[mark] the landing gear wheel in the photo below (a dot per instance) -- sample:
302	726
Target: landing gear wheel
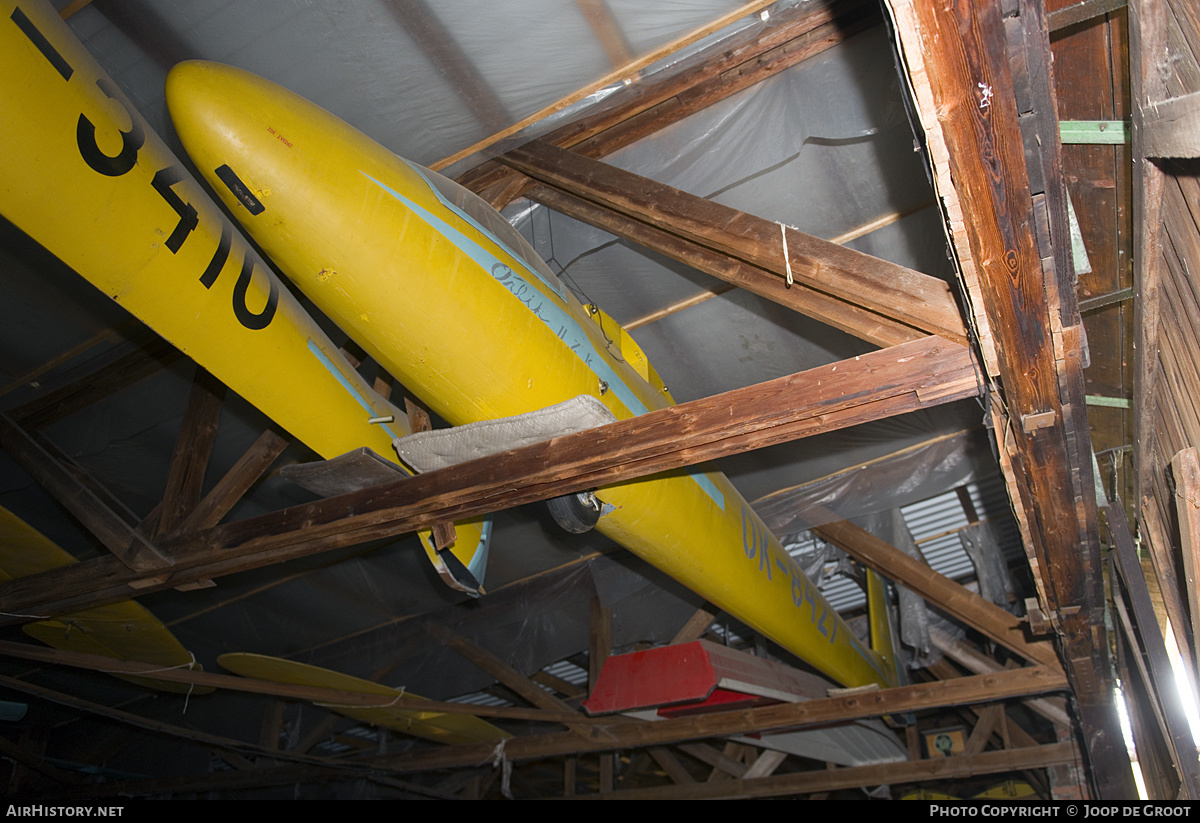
576	513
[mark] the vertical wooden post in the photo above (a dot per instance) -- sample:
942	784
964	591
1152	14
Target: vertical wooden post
600	644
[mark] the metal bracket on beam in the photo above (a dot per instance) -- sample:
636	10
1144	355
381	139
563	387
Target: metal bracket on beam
1039	623
1038	420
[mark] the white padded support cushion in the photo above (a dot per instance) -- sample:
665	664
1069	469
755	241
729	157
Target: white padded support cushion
426	451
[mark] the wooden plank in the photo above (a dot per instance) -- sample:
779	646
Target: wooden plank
1186	469
949	596
568	690
193	447
570	767
852	319
1171	127
765	764
29	378
599	639
1147	50
695	628
627	71
1177	730
671	765
960	691
532	747
974	662
290	691
718	760
129	548
1040	364
986	724
443	532
856	777
1082	11
869	387
885	288
815	28
507	675
140	722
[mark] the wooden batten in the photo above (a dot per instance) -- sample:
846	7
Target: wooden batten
643	108
873	386
971	70
898	294
1165	77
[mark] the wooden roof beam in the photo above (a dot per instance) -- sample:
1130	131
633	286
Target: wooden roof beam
839	709
881	384
855	777
451	62
855	320
960	67
961	691
894	292
793	35
951	597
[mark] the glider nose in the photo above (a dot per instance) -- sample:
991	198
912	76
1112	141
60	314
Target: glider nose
193	95
216	111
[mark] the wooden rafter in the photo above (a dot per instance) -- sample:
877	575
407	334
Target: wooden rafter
193	447
181	535
969	102
1170	710
289	691
953	598
965	690
862	323
510	677
451	62
873	386
883	289
961	691
795	34
616	76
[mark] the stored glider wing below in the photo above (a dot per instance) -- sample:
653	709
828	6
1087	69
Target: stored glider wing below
439	727
123	630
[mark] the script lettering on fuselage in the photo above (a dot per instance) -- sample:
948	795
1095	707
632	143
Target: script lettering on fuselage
757	547
528	295
126	159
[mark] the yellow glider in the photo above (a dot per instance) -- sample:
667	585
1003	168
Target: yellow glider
84	175
123	630
439	727
438	288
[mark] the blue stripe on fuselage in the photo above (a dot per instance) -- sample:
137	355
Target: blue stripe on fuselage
555	318
346	384
478	564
